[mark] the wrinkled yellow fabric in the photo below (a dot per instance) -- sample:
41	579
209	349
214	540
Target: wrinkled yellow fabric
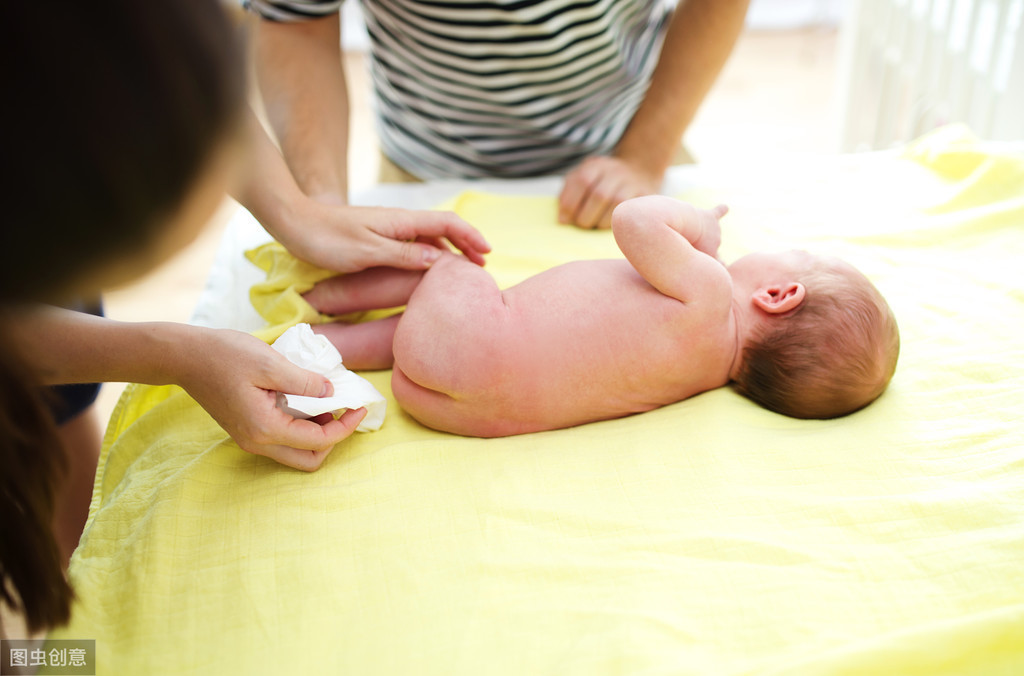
706	537
279	298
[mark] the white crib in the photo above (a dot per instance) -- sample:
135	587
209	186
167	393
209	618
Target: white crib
908	66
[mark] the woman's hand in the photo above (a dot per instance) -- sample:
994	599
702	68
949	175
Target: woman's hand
236	378
594	188
232	375
320	228
349	239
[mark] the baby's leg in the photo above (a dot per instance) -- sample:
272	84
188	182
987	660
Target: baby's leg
371	289
439	411
448	338
365	346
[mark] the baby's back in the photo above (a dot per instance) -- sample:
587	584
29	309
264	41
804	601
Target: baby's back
586	341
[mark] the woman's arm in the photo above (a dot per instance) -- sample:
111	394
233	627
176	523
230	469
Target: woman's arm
700	37
232	375
302	82
339	237
302	197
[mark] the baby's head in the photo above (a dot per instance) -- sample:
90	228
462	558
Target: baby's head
818	341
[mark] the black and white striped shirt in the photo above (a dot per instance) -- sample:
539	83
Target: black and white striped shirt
505	88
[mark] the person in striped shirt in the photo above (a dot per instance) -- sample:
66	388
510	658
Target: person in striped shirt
600	89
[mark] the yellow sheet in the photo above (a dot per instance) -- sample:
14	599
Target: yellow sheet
707	537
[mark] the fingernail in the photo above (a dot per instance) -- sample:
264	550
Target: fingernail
327	389
431	255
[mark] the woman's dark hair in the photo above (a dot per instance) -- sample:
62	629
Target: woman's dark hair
111	109
31	459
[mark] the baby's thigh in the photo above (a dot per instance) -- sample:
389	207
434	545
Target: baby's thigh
466	415
448	333
430	408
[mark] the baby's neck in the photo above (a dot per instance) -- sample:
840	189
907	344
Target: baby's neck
744	321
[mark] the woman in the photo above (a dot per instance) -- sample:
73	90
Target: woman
124	133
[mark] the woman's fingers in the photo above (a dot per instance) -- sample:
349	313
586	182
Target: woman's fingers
412	231
599	184
305	444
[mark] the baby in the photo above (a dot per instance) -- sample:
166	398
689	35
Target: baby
802	335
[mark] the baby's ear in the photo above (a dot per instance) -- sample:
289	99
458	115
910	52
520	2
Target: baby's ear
777	299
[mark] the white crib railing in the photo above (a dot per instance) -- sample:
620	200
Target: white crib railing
908	66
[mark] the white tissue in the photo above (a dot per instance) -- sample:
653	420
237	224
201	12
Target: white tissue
304	348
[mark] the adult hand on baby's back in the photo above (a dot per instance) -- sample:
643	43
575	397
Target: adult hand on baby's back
594	188
236	378
349	239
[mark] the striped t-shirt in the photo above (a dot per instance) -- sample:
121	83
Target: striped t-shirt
504	88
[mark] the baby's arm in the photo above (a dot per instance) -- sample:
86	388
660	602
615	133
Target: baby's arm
673	245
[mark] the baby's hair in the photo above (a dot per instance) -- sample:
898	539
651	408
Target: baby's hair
831	356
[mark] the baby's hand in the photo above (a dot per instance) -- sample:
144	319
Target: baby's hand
710	230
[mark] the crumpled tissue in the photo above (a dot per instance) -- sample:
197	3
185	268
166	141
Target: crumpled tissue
304	348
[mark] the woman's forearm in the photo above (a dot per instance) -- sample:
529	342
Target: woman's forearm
302	82
232	375
267	188
700	38
64	346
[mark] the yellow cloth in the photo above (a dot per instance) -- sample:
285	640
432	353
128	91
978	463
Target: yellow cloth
280	296
707	537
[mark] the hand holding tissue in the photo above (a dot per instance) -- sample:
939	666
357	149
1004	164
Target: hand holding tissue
304	348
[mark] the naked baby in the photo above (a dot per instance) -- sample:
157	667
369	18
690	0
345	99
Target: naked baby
802	335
